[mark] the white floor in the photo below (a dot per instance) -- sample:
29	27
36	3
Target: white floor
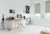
30	29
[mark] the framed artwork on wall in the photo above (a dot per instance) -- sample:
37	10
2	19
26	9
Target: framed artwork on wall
11	11
27	8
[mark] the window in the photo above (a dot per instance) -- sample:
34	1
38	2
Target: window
47	13
37	10
47	6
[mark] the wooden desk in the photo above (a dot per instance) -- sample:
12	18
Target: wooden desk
42	32
13	22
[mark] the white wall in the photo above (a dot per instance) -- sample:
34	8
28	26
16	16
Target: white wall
2	8
18	5
32	9
39	21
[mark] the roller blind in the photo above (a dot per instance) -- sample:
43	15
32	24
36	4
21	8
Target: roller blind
37	8
47	6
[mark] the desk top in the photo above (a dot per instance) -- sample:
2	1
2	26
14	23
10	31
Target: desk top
13	20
